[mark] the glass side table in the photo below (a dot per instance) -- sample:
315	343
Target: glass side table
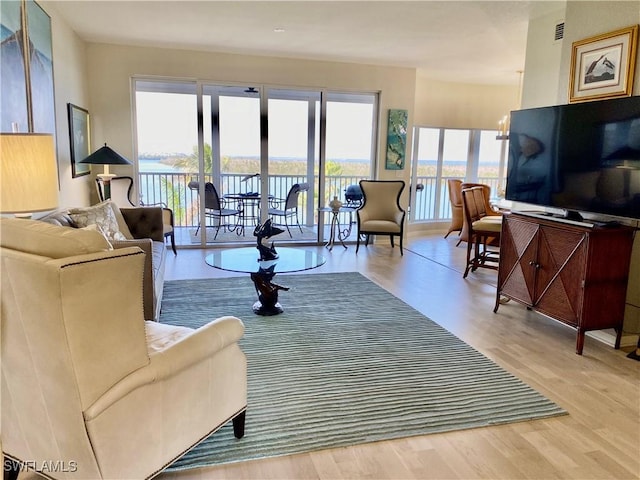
246	260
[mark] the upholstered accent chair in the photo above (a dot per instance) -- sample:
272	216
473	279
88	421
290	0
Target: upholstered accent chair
488	209
287	208
381	213
483	230
454	185
121	194
85	379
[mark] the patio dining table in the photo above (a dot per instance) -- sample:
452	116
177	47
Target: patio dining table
249	206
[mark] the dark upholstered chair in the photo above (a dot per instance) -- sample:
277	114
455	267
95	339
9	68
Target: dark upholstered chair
121	192
381	213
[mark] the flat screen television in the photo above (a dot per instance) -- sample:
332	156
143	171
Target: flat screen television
579	158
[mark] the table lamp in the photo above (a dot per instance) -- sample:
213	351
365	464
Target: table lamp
29	173
106	156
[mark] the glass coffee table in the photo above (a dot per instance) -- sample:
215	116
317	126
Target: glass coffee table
247	260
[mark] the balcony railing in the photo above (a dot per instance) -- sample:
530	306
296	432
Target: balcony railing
171	189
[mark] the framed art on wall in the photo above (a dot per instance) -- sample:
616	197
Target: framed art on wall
79	134
41	68
13	80
396	139
26	68
603	66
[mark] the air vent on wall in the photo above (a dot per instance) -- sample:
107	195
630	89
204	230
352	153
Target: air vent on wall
559	33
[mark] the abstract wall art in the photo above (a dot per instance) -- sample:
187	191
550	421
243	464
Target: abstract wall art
396	139
26	68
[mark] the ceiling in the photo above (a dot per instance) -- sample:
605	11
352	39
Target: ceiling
466	41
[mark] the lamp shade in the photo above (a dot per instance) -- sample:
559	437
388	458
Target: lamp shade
106	156
29	173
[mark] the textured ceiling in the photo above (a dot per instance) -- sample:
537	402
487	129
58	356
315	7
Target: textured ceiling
465	41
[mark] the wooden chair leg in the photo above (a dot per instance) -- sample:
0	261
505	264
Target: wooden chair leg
173	243
11	469
477	240
238	424
468	266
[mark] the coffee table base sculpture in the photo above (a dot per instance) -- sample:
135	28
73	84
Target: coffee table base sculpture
262	272
267	291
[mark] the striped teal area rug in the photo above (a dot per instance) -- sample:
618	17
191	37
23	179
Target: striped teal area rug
346	363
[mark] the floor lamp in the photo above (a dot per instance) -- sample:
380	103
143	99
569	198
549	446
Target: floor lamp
29	173
106	156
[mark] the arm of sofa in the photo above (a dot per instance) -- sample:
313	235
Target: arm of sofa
146	245
145	222
192	348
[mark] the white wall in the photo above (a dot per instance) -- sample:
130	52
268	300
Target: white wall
587	19
548	63
71	86
112	66
460	105
97	77
542	62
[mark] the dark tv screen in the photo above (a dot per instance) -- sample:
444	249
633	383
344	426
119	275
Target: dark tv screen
581	157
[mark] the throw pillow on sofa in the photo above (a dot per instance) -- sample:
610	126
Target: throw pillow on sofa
102	215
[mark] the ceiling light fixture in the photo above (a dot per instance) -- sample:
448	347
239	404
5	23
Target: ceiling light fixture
278	30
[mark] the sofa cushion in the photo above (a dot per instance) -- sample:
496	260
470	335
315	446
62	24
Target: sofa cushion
101	214
48	240
96	228
122	224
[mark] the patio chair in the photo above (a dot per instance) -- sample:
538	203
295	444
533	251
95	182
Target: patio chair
287	208
121	191
215	208
381	213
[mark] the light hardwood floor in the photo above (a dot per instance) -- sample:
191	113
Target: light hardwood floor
600	438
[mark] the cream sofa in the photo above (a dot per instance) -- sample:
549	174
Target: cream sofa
85	380
141	227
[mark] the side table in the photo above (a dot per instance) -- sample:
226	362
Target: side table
337	230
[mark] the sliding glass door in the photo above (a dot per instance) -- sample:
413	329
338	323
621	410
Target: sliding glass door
293	160
254	144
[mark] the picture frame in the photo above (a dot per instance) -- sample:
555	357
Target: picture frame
396	139
79	139
26	63
603	66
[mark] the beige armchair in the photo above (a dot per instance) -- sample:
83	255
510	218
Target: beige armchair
85	380
381	213
454	186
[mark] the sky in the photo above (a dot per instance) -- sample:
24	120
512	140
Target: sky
167	123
